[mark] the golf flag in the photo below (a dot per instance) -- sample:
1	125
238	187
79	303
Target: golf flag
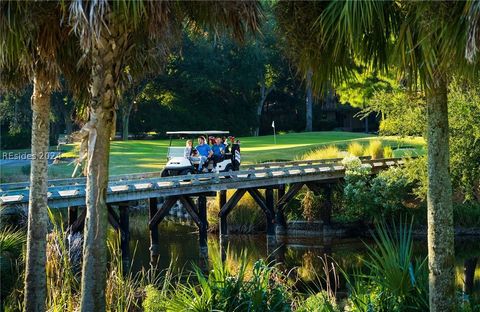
273	124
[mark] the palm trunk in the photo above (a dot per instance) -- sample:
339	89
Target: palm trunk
35	277
309	102
104	96
439	202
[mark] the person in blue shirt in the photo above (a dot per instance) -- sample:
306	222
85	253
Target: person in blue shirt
204	151
218	150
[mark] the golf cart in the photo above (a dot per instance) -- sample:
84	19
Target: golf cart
179	164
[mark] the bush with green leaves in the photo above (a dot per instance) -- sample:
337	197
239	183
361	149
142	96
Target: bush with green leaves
370	197
466	214
403	113
357	197
390	189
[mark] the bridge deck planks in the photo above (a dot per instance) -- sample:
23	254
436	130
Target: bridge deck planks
148	186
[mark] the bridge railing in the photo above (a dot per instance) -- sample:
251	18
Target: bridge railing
147	175
198	181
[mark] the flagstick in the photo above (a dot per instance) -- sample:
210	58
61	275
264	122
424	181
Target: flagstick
274	135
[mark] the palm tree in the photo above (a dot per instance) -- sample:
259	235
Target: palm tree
111	31
35	45
426	40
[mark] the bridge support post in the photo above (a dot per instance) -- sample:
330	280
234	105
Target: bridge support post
72	215
222	200
280	220
125	235
223	237
154	245
270	204
203	226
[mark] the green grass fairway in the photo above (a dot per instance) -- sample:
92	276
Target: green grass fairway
150	155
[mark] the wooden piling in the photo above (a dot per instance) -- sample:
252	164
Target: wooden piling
280	220
223	237
125	235
154	245
203	226
72	215
222	200
270	205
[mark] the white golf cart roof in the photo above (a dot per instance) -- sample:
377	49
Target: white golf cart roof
209	132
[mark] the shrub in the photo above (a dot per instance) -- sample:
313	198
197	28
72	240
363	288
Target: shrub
356	191
355	149
320	302
467	214
386	195
311	205
390	190
374	149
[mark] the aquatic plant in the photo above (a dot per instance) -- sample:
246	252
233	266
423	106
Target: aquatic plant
394	280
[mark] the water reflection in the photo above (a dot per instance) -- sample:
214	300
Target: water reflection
179	243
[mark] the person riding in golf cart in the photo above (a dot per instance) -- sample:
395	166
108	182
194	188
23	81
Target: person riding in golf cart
202	158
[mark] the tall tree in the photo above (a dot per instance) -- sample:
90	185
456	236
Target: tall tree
111	31
35	45
426	40
309	101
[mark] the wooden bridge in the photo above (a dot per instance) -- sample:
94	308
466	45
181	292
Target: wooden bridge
284	178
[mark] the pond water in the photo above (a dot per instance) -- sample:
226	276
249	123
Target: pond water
179	244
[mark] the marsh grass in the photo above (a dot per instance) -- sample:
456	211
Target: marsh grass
259	288
355	149
374	149
387	152
327	152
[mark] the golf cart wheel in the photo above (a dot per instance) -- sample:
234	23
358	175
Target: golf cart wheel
185	172
165	173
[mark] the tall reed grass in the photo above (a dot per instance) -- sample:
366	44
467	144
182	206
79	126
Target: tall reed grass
374	149
355	149
327	152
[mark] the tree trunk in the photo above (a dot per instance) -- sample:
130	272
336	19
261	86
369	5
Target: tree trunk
264	92
68	124
104	96
35	276
309	101
125	120
439	202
